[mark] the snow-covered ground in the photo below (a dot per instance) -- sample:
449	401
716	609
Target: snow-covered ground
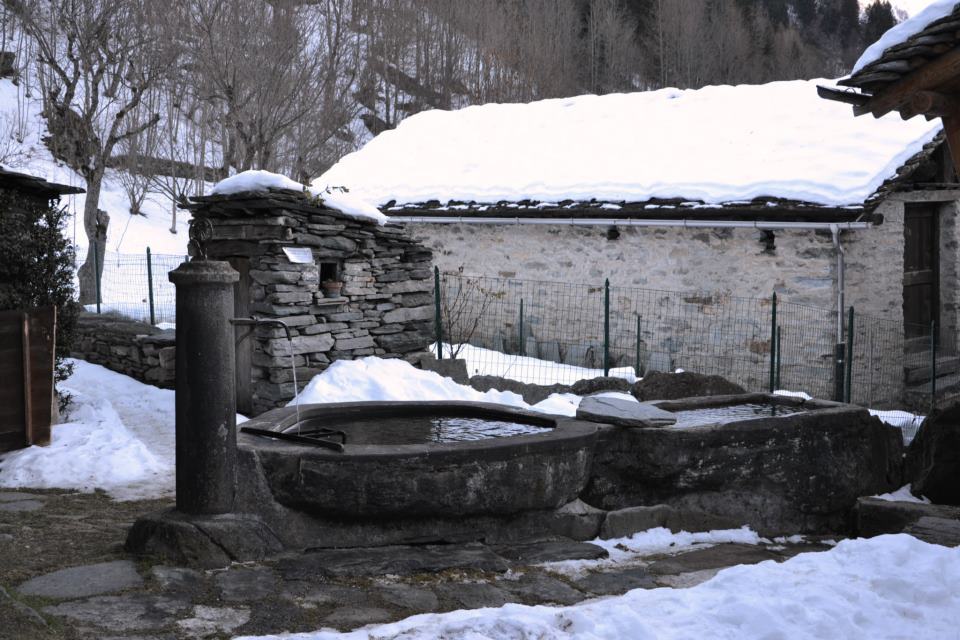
892	586
629	550
117	436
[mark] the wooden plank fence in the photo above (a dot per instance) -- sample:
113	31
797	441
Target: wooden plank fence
27	340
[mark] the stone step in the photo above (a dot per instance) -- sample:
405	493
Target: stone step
922	371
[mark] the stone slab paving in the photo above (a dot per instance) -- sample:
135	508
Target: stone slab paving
395	560
724	555
87	580
550	551
21	505
135	612
616	581
344	589
18	496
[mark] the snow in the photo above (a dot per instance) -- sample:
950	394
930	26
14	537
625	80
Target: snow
118	437
659	540
902	495
774	140
486	362
254	180
903	31
337	198
802	395
907	422
891	586
377	379
347	203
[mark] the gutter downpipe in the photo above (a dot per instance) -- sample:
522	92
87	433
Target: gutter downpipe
841	279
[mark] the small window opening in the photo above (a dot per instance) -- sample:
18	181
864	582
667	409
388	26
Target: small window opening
329	272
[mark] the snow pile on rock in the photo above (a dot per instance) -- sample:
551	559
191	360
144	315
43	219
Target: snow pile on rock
892	586
376	379
716	145
337	198
254	180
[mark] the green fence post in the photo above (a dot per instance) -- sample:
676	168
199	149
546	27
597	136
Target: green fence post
933	365
636	367
848	378
773	343
523	350
606	328
153	316
436	312
779	360
96	271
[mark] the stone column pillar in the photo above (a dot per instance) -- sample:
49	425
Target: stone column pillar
206	396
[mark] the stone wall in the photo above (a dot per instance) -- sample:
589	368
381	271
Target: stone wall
136	349
385	307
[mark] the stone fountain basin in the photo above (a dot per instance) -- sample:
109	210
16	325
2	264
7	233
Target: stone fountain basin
497	476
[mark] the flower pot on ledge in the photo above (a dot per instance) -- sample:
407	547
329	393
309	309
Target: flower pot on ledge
331	288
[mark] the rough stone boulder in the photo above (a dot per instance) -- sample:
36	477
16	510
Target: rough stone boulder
534	393
623	413
933	459
799	473
671	386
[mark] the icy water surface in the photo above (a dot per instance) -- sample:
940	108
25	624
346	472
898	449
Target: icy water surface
425	430
733	413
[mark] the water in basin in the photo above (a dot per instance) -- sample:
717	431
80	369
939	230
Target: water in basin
733	413
425	429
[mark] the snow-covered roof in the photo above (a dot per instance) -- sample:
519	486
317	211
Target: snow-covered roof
899	34
714	145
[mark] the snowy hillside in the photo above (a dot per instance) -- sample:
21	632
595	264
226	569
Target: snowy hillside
20	115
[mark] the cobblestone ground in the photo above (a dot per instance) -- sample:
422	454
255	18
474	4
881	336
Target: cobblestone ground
64	575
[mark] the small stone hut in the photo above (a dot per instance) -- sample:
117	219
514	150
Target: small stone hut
285	243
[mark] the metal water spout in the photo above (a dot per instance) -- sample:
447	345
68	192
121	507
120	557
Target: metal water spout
255	321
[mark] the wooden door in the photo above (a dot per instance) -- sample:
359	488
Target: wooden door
27	343
243	336
921	260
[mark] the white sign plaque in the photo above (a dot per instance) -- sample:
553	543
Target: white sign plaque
299	255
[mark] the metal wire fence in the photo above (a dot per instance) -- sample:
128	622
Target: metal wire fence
551	332
136	286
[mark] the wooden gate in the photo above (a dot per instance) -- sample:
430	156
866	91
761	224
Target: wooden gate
921	261
26	368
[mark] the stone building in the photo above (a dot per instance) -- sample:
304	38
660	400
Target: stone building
729	191
287	245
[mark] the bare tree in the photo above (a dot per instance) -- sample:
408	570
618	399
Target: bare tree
97	59
267	68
